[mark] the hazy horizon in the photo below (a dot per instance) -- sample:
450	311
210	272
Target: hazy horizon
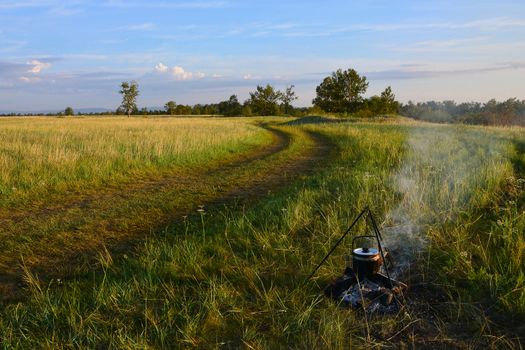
55	55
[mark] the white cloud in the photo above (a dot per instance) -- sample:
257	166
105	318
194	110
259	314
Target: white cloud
178	73
490	23
432	71
11	4
139	27
37	66
11	45
251	77
64	10
282	26
178	70
471	45
261	33
161	68
28	79
167	4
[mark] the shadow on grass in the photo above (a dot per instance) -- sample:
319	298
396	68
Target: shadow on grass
316	119
518	161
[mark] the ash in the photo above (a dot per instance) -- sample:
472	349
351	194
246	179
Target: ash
371	296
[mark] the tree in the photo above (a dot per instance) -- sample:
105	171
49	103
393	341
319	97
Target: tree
287	97
69	111
210	109
264	101
197	109
129	92
170	107
246	109
371	107
183	110
341	92
231	107
388	102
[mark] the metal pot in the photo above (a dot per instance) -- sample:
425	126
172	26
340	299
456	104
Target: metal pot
366	261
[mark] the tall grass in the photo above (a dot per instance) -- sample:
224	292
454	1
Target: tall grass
234	277
39	156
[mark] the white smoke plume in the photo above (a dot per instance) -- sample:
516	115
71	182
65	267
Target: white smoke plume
442	170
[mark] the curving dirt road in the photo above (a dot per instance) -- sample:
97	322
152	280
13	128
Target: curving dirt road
64	238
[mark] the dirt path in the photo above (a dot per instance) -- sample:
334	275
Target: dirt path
280	141
64	238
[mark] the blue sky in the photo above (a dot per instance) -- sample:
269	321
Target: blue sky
58	53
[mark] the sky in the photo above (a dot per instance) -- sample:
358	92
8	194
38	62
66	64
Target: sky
58	53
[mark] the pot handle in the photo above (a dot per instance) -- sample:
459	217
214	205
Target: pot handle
361	236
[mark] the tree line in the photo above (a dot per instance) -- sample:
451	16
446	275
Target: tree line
340	93
265	100
509	112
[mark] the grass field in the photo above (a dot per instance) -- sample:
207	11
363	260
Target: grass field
450	198
43	156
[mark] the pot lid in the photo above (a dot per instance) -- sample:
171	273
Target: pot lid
366	251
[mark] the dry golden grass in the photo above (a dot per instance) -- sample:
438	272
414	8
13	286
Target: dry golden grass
49	155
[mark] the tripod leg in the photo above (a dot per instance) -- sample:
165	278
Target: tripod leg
366	210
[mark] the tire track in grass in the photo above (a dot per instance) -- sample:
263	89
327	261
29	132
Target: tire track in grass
64	240
75	200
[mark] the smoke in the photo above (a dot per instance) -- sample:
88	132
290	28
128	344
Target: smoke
443	170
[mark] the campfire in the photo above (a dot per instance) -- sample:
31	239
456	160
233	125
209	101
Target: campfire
367	283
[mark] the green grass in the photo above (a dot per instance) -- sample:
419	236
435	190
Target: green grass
45	156
233	277
61	236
